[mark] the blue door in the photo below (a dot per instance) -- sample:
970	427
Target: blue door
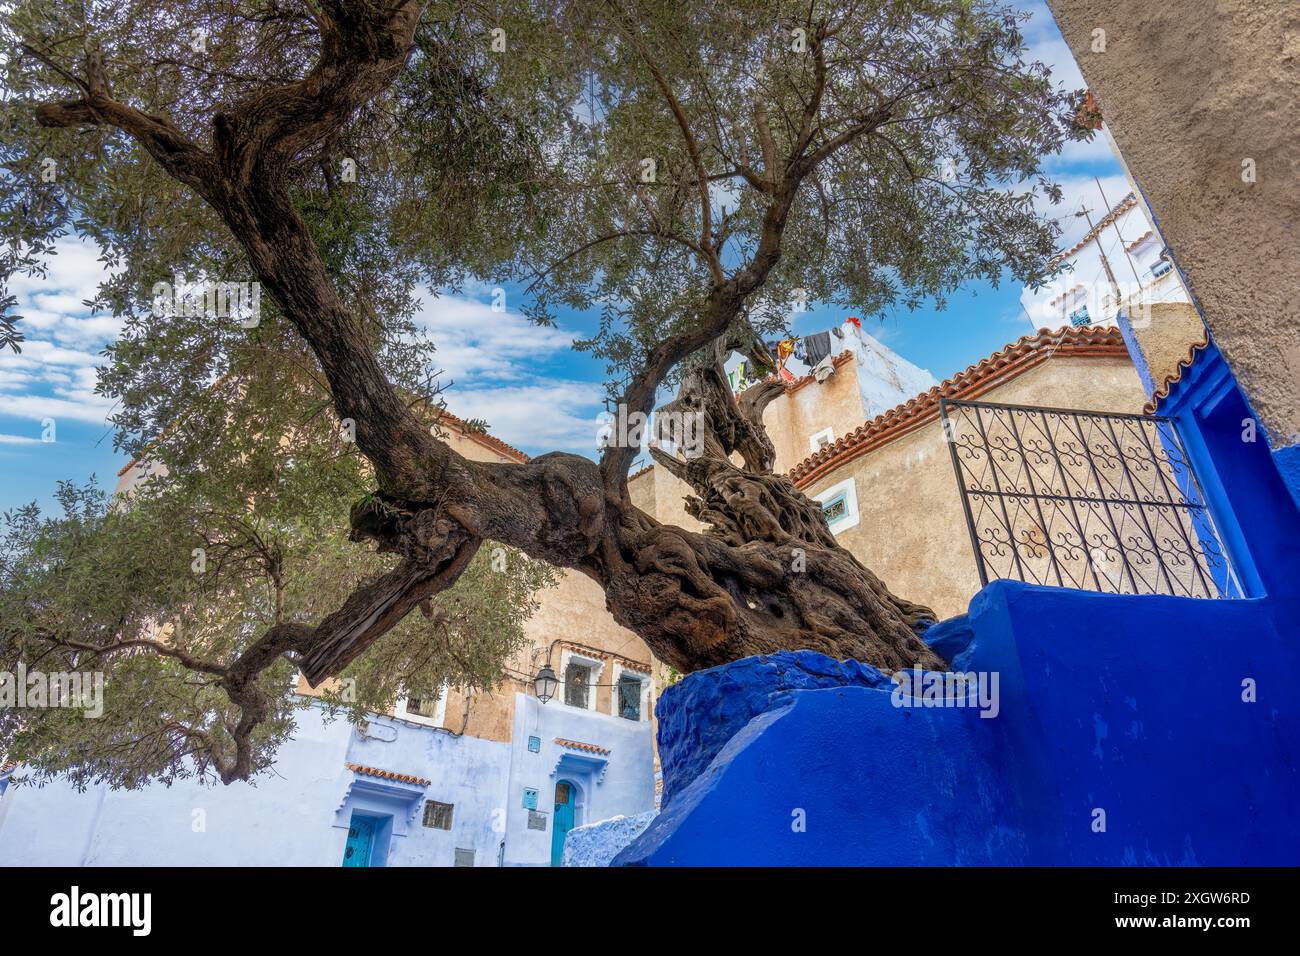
361	838
562	819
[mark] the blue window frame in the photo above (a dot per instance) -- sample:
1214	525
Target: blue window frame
629	697
836	508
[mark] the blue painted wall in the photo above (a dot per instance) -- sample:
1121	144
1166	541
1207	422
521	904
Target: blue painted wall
1129	705
1249	479
618	783
285	819
298	814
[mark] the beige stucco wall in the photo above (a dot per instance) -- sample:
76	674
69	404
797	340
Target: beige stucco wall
1189	91
912	530
1173	330
659	493
793	419
573	614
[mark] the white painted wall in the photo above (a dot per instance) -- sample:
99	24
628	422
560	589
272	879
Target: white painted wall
620	783
298	814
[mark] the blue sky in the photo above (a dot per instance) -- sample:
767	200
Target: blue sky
503	368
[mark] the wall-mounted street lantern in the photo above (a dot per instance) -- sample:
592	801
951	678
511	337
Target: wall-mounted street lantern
545	683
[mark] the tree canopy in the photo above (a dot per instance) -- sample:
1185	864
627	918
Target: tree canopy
690	173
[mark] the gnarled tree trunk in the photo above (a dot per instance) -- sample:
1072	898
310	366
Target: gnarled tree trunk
779	579
767	576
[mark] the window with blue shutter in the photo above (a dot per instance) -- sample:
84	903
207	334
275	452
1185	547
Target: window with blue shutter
629	697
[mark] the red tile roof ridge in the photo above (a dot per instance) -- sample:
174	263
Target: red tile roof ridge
387	774
1176	376
482	437
579	745
1018	357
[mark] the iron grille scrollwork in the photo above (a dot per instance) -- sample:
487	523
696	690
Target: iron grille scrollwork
1079	499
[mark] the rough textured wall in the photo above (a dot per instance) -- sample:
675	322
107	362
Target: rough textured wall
792	420
596	844
1175	328
1190	91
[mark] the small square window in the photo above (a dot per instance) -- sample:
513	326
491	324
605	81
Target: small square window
577	682
629	697
422	706
535	744
530	798
464	857
839	504
437	815
836	508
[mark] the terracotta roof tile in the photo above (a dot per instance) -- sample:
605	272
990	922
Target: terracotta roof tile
579	745
1124	205
1139	240
1176	376
483	438
387	774
1019	357
804	380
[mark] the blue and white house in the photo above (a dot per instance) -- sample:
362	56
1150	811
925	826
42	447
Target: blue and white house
389	792
496	779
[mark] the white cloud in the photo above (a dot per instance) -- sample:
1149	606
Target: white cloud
550	416
54	375
93	409
475	343
18	440
496	363
74	268
37	352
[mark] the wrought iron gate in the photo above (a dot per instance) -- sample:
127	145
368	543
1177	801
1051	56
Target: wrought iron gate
1078	499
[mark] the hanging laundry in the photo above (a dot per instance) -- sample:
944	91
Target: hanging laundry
784	349
738	379
824	369
816	347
